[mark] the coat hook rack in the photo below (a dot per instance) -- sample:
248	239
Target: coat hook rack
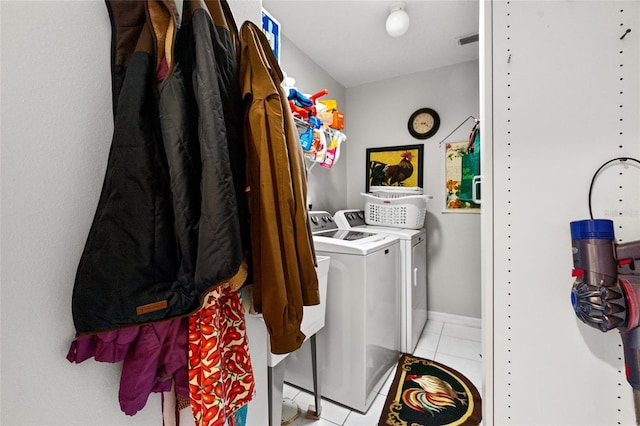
459	125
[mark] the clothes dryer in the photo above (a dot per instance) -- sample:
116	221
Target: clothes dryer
413	253
360	342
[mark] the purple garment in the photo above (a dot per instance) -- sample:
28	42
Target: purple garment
153	355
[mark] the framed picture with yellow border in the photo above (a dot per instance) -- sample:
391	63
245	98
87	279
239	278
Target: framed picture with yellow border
394	166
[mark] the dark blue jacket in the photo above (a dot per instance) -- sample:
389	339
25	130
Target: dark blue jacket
168	226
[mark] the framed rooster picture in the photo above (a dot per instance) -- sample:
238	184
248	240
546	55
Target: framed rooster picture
394	166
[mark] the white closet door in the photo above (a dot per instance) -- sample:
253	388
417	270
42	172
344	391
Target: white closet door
560	96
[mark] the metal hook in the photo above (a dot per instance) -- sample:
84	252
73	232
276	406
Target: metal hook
460	125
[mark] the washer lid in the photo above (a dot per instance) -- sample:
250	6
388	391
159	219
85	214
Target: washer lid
344	234
364	243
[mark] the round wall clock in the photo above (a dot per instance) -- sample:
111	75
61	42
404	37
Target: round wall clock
423	123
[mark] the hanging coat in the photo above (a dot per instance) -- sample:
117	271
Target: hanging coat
220	373
166	228
154	353
284	277
127	18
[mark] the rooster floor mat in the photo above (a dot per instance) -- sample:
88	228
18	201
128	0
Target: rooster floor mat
428	393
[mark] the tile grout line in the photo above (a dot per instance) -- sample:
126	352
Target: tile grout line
462	338
438	344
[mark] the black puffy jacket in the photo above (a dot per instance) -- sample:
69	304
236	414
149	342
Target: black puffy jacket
167	227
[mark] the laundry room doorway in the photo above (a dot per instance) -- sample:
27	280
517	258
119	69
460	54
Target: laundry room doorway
380	81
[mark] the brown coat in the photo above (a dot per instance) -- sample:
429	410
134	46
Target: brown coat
282	246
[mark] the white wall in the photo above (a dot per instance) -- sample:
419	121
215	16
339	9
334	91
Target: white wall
377	116
56	132
565	99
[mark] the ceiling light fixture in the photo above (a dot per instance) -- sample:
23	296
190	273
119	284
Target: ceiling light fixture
398	21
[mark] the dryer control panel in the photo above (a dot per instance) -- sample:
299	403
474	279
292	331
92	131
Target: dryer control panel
349	218
321	221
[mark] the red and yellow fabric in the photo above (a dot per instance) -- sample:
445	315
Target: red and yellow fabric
220	374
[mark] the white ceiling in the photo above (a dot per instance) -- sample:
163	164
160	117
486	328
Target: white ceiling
347	38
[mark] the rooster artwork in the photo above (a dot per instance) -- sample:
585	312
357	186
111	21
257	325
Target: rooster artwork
433	396
391	174
428	393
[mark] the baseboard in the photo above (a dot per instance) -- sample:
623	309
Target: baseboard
455	319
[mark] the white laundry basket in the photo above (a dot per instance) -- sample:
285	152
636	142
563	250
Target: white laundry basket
389	207
394	191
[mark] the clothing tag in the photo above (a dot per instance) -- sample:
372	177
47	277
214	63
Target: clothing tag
151	307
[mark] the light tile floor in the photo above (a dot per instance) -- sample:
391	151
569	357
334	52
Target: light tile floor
456	346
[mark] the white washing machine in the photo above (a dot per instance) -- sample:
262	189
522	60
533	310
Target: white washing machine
360	341
413	250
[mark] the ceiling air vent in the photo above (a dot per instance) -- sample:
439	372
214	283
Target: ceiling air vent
467	39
